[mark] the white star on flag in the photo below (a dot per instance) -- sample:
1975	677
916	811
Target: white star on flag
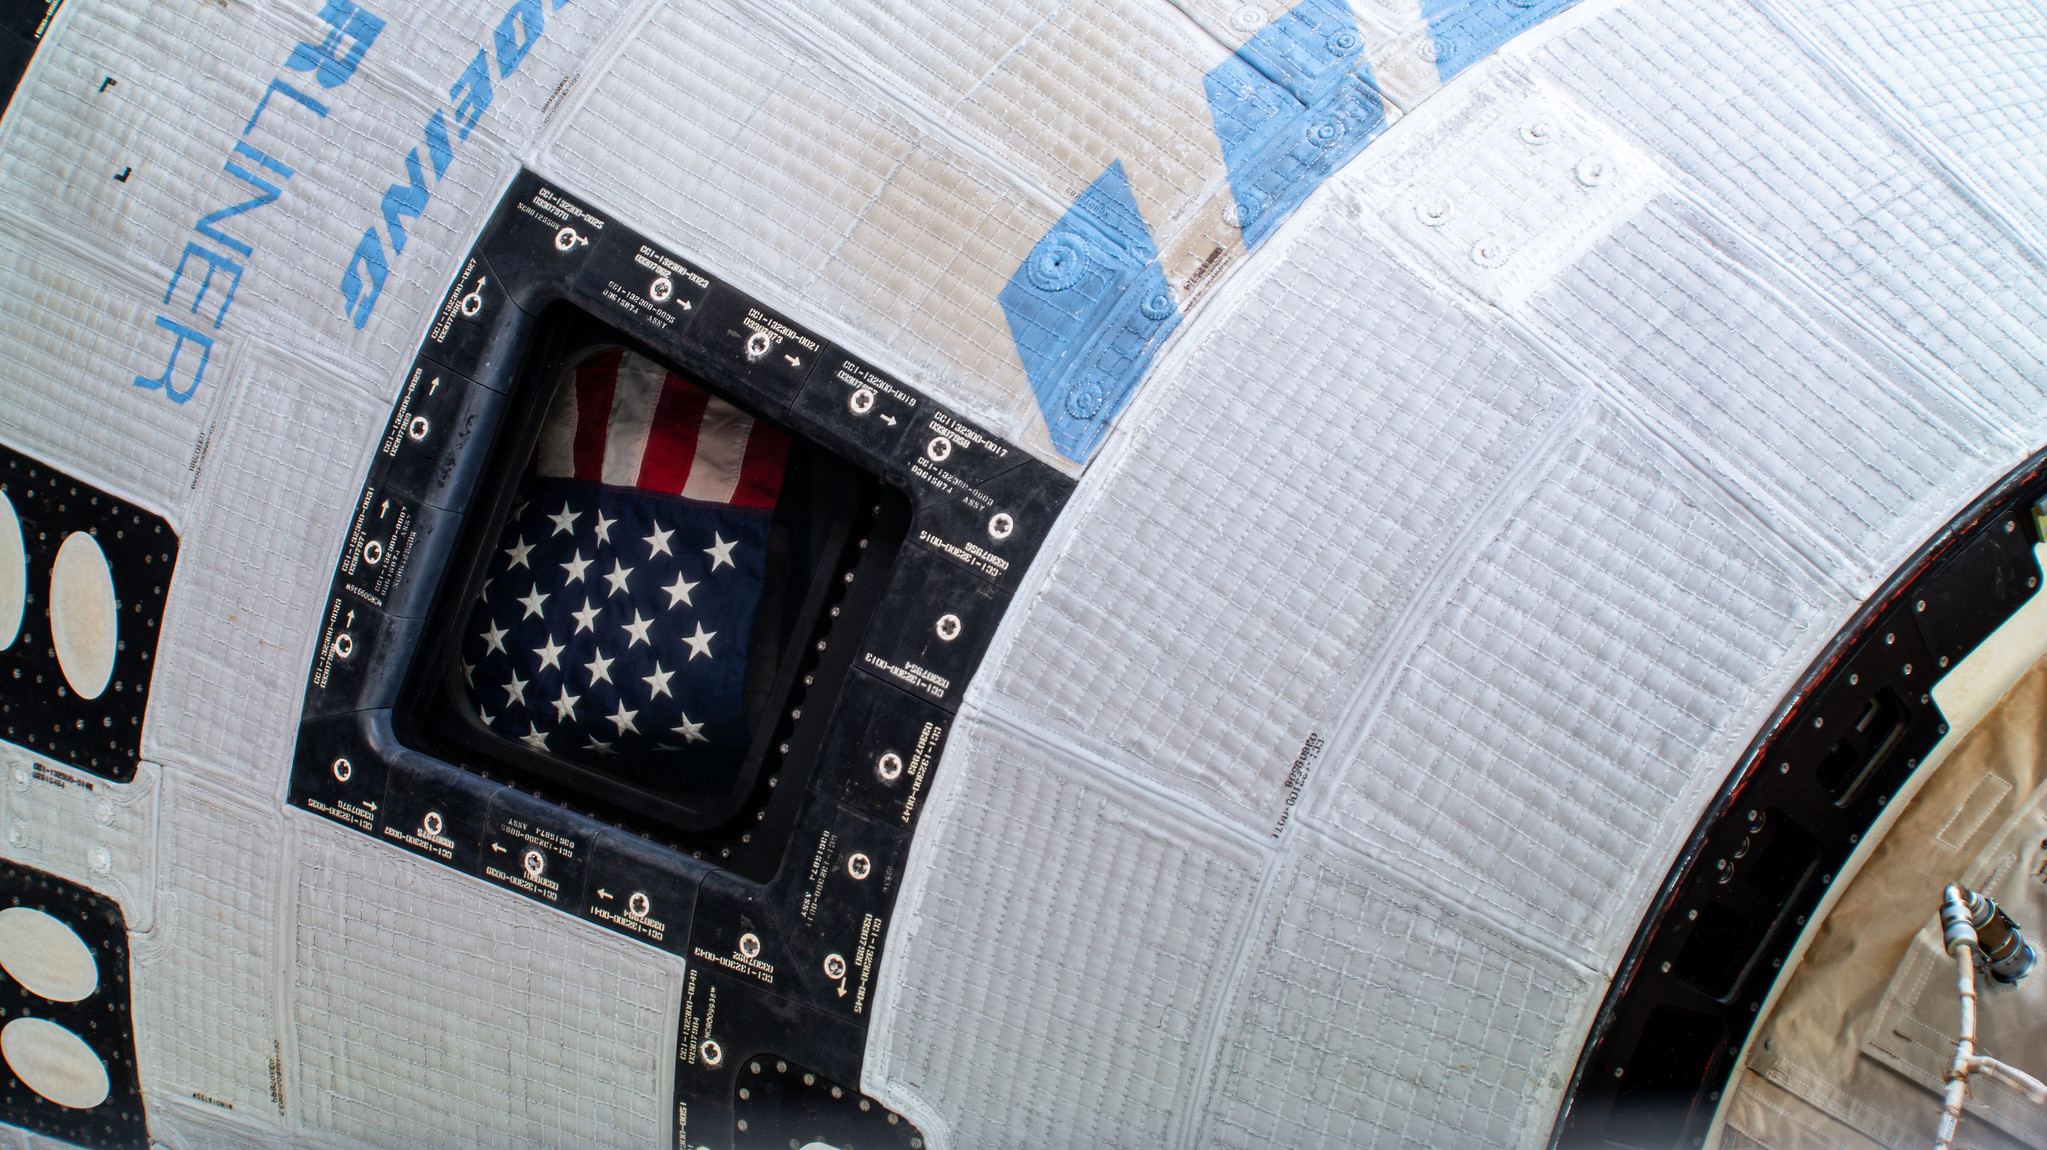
586	619
657	683
617	578
599	668
720	551
637	629
700	643
575	568
565	704
565	521
550	655
657	543
518	551
678	592
533	602
494	639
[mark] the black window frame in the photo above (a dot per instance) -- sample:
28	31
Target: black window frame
862	545
783	911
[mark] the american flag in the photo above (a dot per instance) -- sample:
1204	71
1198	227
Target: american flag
615	618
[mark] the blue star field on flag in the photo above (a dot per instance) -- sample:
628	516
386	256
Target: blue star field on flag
613	629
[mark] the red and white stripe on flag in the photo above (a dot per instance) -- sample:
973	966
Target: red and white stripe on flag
630	422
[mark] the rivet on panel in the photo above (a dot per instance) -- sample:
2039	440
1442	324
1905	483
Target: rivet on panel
1059	262
1085	400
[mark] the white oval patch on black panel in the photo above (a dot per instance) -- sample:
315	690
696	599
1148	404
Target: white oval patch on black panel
93	573
67	1052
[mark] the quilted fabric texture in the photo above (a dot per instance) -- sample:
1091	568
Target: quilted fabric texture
1419	588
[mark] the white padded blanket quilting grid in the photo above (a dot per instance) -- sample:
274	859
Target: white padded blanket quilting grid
1580	688
1326	520
245	605
208	68
1291	485
430	1010
184	63
1792	412
181	1125
1007	75
1799	163
62	329
1369	1017
99	834
808	185
1069	944
378	117
1612	648
206	979
1974	72
64	211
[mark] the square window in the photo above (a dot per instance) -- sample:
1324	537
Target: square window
646	579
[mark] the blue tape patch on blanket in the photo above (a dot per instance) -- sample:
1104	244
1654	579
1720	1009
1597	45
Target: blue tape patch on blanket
1290	108
1088	310
1466	32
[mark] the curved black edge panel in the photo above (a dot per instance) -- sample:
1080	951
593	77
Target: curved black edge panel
38	708
782	925
778	1104
1760	861
22	26
101	1019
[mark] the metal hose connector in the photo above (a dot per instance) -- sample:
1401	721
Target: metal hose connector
2006	954
1957	920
